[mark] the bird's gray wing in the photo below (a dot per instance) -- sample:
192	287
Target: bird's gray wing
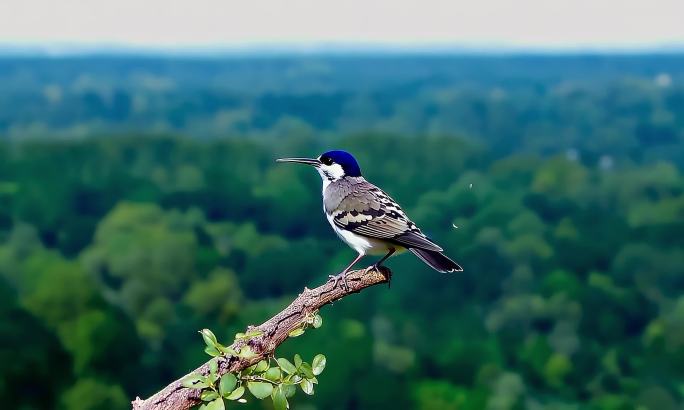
371	212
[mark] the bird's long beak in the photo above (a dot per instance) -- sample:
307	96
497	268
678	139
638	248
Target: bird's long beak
307	161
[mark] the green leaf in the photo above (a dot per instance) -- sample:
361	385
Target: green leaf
212	351
253	333
297	360
260	390
213	366
236	394
297	332
307	387
318	364
317	321
216	405
209	395
288	367
279	399
248	335
226	350
273	374
262	366
289	390
227	384
194	381
209	337
306	371
247	353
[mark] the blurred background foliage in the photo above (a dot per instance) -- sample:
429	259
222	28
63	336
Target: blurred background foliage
139	203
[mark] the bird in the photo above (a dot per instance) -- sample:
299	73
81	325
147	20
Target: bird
368	219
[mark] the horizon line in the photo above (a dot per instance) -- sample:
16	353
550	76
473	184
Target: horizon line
67	49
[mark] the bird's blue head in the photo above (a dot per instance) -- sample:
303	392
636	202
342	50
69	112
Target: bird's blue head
342	158
332	165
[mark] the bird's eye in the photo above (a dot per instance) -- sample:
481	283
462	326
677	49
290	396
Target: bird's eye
327	161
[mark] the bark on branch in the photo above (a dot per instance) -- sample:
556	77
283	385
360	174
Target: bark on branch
275	331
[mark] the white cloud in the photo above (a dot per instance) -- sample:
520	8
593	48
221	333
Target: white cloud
542	23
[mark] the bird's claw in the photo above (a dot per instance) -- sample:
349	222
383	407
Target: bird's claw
371	268
336	278
377	268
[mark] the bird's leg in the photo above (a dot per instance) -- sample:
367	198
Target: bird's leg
377	264
343	275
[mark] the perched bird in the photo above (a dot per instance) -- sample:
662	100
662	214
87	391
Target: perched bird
366	218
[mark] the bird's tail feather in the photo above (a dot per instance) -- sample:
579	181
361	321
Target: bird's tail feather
437	260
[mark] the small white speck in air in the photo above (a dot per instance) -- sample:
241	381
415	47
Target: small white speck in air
471	186
454	225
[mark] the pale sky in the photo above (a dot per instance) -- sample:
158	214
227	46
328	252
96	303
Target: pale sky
518	23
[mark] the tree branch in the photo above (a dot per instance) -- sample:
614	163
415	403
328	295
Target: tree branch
275	331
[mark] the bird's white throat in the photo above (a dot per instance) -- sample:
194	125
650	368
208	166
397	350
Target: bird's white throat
330	173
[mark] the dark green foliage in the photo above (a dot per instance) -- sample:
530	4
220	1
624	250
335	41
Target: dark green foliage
29	356
556	182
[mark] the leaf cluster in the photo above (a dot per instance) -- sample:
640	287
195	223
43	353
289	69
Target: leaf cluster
272	377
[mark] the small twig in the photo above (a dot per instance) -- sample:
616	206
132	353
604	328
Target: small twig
260	379
274	332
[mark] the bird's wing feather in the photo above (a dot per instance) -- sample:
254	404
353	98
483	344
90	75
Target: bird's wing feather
417	240
371	212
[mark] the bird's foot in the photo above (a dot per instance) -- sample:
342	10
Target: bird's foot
336	278
382	270
373	267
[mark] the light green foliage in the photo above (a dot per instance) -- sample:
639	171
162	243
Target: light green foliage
219	295
271	377
439	395
149	253
557	367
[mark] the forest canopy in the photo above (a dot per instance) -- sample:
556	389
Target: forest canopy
140	202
